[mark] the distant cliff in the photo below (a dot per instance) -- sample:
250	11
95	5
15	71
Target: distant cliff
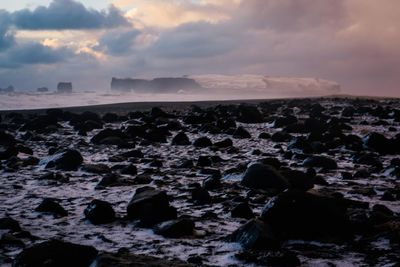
158	85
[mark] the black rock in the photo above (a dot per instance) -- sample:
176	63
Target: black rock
284	121
55	253
175	228
157	112
224	143
69	160
297	214
150	206
96	168
264	136
110	117
201	196
204	161
51	206
368	159
88	126
255	234
113	179
260	176
157	135
185	164
7	152
8	239
124	259
211	183
241	133
278	258
320	162
242	210
314	125
130	170
281	136
249	114
300	144
8	223
202	142
274	162
377	142
181	139
298	179
6	139
133	154
273	258
99	212
104	136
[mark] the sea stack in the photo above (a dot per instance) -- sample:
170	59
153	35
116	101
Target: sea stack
64	87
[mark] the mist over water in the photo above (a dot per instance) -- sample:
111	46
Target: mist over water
213	87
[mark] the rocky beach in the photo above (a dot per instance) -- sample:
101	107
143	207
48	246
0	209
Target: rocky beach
283	182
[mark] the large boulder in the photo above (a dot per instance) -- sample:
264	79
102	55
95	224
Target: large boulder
297	214
150	206
261	176
55	253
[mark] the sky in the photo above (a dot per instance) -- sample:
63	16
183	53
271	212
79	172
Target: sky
353	42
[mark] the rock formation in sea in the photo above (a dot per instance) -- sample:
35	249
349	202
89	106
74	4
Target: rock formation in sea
64	87
236	84
6	90
157	85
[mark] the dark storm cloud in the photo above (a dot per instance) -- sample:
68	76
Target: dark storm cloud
118	42
67	14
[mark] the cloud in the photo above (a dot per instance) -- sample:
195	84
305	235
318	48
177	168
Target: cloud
118	42
354	42
33	53
67	14
291	15
6	36
194	40
169	14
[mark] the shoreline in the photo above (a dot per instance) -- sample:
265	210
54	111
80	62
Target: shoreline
179	105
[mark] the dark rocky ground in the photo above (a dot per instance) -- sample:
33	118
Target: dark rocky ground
300	182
